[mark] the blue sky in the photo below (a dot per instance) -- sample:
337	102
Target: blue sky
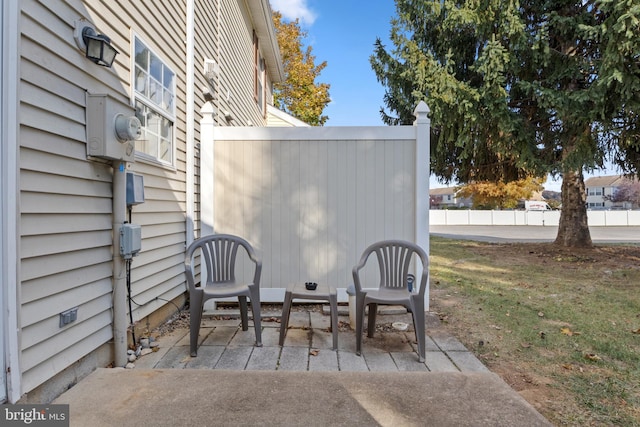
342	32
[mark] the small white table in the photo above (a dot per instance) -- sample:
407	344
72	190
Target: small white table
322	292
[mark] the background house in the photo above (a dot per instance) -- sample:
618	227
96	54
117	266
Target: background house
601	192
62	208
447	197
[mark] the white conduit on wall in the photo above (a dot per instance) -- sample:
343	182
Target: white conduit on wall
119	268
190	130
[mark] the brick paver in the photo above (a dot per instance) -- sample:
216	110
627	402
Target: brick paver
308	346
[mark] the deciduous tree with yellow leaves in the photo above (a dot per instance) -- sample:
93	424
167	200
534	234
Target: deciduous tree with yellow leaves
500	195
299	94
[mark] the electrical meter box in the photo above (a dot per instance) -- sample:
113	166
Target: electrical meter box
135	189
112	128
130	240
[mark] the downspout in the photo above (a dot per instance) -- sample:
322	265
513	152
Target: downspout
9	198
119	268
190	125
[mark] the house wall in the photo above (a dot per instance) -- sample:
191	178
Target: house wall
599	188
596	196
237	68
310	200
224	34
598	201
157	273
65	200
65	220
275	121
278	118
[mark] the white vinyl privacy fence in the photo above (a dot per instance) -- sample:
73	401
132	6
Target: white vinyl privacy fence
311	199
540	218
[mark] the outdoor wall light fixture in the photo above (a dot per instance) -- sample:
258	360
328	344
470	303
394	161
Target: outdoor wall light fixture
97	47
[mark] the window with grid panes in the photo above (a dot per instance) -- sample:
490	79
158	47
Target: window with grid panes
154	95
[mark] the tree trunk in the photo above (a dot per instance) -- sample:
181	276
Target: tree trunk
574	228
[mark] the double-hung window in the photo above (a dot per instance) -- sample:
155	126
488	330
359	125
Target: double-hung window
154	97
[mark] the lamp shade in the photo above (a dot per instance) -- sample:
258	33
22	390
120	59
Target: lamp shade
99	49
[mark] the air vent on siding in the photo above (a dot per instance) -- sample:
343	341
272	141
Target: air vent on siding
211	71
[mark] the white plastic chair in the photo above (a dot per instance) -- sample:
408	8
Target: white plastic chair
394	259
218	258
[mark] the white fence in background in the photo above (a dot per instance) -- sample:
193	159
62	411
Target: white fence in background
540	218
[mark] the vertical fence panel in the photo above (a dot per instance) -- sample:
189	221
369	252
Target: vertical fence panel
311	205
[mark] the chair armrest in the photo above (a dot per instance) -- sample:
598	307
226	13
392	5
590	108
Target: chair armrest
257	271
423	280
356	271
189	273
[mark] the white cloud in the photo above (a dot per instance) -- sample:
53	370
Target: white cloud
294	9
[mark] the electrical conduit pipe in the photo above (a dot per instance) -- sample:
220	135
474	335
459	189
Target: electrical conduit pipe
119	267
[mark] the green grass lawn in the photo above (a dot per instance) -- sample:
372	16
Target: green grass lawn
561	326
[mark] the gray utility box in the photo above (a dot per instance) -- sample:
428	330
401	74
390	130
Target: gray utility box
130	240
112	128
135	189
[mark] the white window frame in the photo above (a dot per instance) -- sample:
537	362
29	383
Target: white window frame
149	145
260	94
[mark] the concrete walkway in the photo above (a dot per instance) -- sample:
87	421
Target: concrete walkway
231	382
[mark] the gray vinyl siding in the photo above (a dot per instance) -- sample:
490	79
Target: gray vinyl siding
158	270
238	66
207	41
66	199
157	274
224	33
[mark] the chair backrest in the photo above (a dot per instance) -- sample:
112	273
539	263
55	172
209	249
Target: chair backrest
394	260
218	254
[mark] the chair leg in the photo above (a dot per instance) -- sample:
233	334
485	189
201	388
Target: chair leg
359	322
284	320
373	311
242	300
333	304
255	308
195	311
419	327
